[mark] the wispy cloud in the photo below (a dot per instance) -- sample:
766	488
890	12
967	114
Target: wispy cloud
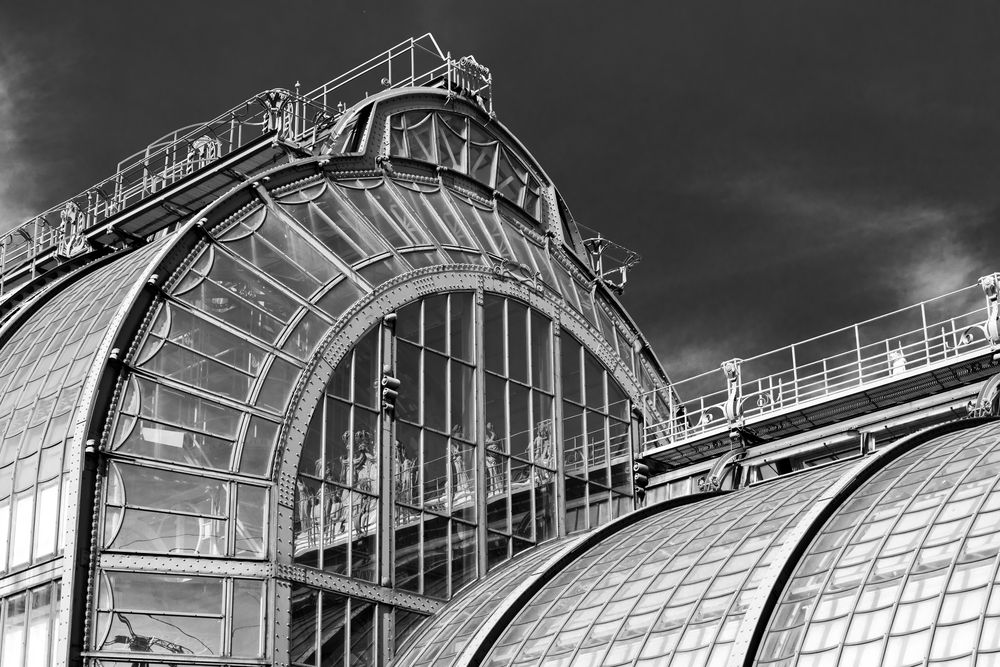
879	251
17	171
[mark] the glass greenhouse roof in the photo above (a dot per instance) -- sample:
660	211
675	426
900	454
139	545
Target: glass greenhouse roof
900	564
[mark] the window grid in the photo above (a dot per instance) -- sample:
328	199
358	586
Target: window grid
520	463
683	572
596	440
28	621
910	532
460	143
434	453
336	527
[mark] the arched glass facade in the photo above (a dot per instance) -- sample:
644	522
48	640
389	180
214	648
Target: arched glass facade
256	499
471	448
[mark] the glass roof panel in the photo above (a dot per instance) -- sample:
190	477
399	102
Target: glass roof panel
913	569
45	365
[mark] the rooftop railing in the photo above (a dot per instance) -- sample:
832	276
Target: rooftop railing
282	113
930	334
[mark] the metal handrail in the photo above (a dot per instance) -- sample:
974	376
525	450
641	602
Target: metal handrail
903	342
287	114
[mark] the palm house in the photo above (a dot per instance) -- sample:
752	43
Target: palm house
336	378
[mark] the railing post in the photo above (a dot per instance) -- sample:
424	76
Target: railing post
670	412
34	254
923	326
3	263
857	347
795	377
734	391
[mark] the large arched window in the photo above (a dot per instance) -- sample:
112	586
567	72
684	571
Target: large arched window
464	473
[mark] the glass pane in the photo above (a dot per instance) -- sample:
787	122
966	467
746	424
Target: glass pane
463	404
362	633
517	340
451	143
574	443
436	322
463	480
251	521
570	369
347	223
420	138
405	458
520	424
277	385
463	560
497	477
334	629
302	634
14	631
366	370
435	403
258	446
462	332
594	382
408	373
544	505
494	333
435	470
436	556
407	536
541	351
248	610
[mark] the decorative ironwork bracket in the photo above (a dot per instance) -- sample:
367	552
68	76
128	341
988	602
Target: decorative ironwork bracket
991	288
733	407
276	105
595	249
72	242
987	401
713	480
510	269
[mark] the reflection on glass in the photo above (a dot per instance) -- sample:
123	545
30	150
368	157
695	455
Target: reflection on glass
517	341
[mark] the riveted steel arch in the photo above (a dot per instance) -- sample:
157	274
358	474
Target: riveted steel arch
359	319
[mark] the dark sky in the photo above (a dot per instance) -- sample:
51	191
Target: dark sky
785	168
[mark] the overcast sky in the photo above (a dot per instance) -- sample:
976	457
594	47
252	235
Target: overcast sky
785	168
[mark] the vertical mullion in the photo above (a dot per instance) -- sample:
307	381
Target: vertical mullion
386	503
348	603
557	431
227	605
479	373
325	415
351	503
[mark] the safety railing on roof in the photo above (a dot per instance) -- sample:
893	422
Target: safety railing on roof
933	333
282	113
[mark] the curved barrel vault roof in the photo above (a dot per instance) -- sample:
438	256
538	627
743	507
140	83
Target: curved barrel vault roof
865	561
